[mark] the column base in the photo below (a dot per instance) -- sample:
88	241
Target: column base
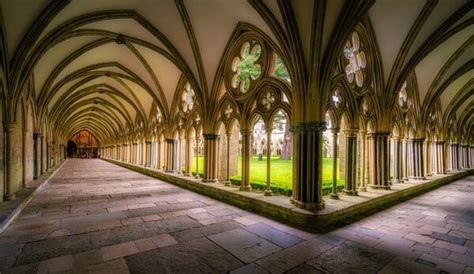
210	180
268	193
350	192
227	183
309	206
170	171
10	197
246	188
334	196
362	189
397	181
417	178
379	187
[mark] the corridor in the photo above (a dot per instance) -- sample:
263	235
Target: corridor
94	216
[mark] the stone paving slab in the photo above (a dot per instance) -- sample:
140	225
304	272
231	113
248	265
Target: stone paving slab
155	227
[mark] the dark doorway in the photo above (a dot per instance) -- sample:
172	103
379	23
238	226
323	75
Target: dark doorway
71	149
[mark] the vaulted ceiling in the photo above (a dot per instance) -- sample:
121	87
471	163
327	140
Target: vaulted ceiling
103	65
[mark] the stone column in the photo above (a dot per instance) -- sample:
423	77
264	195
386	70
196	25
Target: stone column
439	157
211	142
268	189
334	194
159	164
430	157
416	146
362	160
188	165
153	154
246	153
124	152
134	153
227	176
379	164
148	153
404	159
307	165
37	154
350	166
171	145
465	149
454	157
397	160
471	156
9	144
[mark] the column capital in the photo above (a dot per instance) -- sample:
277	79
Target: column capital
37	135
382	134
171	141
352	132
305	127
246	132
211	136
9	126
148	142
440	142
335	130
419	139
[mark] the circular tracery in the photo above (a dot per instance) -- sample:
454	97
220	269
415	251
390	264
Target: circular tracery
245	67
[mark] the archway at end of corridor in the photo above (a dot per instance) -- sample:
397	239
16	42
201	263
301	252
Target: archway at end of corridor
71	149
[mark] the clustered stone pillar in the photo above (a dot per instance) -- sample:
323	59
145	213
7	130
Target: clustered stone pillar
245	184
37	154
334	194
405	159
148	153
429	150
350	187
188	165
379	165
362	160
397	160
453	147
211	142
171	147
227	174
268	190
415	152
439	157
9	194
307	165
465	156
158	154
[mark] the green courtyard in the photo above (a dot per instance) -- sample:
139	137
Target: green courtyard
281	174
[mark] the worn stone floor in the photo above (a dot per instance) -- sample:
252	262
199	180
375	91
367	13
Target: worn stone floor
96	217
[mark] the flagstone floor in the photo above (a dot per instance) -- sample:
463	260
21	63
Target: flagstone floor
96	217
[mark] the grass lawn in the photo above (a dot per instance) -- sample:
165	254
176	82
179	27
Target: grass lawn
281	174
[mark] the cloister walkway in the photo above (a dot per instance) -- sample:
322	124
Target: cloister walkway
95	216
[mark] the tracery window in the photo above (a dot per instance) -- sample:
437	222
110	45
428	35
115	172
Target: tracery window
245	66
280	69
357	60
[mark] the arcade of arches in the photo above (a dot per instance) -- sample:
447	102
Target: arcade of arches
380	92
